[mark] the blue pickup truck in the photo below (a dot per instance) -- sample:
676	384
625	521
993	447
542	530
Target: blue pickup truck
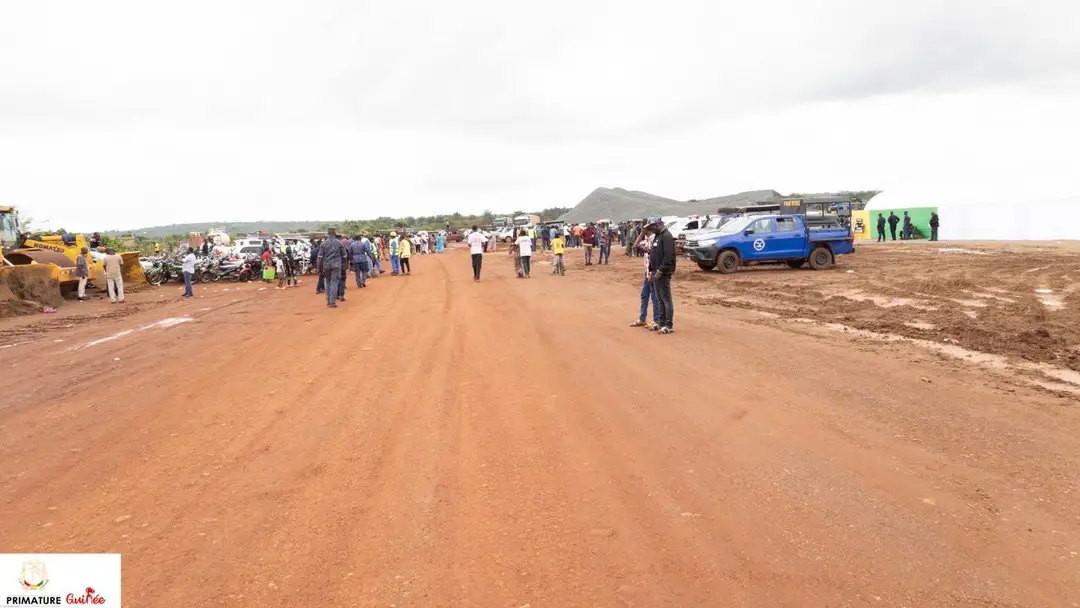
769	239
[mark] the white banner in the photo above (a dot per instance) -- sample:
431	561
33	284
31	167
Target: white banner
60	579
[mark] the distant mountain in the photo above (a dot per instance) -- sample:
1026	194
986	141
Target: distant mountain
742	199
618	204
230	227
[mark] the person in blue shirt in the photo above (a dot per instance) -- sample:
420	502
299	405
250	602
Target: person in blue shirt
359	250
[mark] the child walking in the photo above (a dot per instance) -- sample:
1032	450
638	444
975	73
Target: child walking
557	247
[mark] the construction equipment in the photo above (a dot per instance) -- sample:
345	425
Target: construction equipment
57	251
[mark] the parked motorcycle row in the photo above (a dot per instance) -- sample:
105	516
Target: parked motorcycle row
211	269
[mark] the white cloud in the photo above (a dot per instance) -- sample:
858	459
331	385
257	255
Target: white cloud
125	114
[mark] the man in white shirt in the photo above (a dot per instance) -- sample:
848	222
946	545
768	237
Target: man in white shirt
476	247
113	278
189	271
525	245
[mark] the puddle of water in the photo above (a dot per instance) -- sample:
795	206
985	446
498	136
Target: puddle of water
170	322
960	250
882	301
1070	380
1049	299
119	334
991	296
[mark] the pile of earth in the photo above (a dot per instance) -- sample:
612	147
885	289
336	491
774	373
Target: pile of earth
27	290
617	204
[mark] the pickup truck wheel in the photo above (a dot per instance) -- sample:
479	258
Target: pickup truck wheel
707	265
796	264
728	262
821	258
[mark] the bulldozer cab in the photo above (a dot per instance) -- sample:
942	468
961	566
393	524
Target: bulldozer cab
9	229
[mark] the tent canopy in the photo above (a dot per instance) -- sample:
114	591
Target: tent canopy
972	215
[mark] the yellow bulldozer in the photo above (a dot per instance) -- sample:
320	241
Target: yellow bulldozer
50	258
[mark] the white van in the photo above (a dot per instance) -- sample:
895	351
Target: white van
245	247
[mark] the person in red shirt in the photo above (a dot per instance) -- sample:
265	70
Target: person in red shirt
588	237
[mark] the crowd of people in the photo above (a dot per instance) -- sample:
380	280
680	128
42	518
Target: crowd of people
651	240
334	257
365	255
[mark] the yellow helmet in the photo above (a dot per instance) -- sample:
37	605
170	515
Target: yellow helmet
392	233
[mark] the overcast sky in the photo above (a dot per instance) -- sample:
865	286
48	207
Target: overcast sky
121	114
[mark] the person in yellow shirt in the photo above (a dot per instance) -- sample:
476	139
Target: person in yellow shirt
405	248
557	247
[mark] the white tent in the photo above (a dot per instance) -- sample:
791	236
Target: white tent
969	215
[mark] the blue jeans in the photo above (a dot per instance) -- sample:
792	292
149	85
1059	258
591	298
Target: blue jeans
525	264
187	284
648	293
395	264
605	254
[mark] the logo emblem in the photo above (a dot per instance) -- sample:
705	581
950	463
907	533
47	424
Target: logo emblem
33	576
759	244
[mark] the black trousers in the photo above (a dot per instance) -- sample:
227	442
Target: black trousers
667	306
477	263
892	230
405	265
881	234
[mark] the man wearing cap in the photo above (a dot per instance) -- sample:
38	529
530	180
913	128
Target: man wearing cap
661	268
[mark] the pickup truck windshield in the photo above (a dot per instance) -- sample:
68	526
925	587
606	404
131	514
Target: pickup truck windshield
737	225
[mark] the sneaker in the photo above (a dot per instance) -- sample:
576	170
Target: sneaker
638	323
666	330
653	327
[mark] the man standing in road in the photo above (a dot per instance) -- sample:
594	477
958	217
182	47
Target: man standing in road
880	228
82	270
934	223
893	221
907	227
395	259
331	259
476	248
661	268
189	271
587	238
113	278
360	249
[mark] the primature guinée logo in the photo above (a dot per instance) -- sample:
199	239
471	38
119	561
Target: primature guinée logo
33	575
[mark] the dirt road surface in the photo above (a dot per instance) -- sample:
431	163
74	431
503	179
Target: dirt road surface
436	442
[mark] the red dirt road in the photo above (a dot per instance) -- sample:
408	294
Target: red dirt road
435	442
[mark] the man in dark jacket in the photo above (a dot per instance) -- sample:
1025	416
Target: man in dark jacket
82	271
893	221
934	223
880	228
661	268
332	258
907	227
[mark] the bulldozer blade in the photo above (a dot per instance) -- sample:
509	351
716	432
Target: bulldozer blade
132	270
